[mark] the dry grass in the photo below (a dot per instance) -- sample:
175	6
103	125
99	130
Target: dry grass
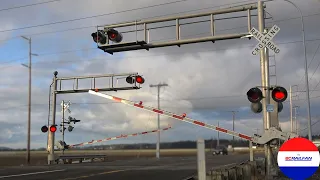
16	158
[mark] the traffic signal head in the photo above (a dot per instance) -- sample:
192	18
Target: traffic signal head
254	95
53	128
279	94
114	35
138	79
99	37
44	129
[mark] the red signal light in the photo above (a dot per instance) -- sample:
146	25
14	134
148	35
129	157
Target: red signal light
53	128
114	35
254	95
279	94
139	79
129	80
99	37
44	129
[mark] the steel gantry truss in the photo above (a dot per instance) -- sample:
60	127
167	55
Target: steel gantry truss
145	27
56	88
268	136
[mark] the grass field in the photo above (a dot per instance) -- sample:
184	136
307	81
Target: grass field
16	158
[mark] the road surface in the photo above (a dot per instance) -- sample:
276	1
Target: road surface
168	168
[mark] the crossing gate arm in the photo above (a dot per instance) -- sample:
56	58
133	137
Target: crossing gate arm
117	137
268	135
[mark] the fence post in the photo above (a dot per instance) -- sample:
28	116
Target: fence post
201	159
251	150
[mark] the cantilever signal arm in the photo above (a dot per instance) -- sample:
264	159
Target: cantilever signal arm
268	136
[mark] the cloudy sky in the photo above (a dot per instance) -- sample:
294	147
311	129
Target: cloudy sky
205	80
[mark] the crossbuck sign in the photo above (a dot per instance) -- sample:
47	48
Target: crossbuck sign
265	40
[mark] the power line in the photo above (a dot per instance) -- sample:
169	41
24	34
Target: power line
311	125
89	17
28	5
85	27
314	55
171	100
222	49
79	28
69	51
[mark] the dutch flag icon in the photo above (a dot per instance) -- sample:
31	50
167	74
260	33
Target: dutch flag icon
298	158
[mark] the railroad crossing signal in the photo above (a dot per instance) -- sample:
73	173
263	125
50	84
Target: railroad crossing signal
53	128
278	94
44	129
114	35
138	79
255	96
99	37
265	40
102	36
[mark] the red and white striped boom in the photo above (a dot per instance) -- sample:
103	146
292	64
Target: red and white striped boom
119	137
172	115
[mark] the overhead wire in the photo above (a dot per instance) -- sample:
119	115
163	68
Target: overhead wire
94	16
28	5
314	55
86	49
69	51
171	100
124	11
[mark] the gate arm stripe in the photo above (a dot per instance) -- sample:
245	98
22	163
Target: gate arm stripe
172	115
119	137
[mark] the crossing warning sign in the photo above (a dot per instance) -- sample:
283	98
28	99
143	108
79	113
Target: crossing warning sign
265	40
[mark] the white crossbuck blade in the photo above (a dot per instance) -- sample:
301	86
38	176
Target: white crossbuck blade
265	40
269	135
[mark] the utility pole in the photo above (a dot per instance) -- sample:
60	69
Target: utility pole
158	86
218	139
29	98
295	117
63	110
233	118
291	112
265	83
291	107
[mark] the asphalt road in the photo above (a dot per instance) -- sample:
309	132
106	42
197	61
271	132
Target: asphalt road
169	168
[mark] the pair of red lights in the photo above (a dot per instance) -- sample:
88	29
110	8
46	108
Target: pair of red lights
279	94
53	128
138	79
101	36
